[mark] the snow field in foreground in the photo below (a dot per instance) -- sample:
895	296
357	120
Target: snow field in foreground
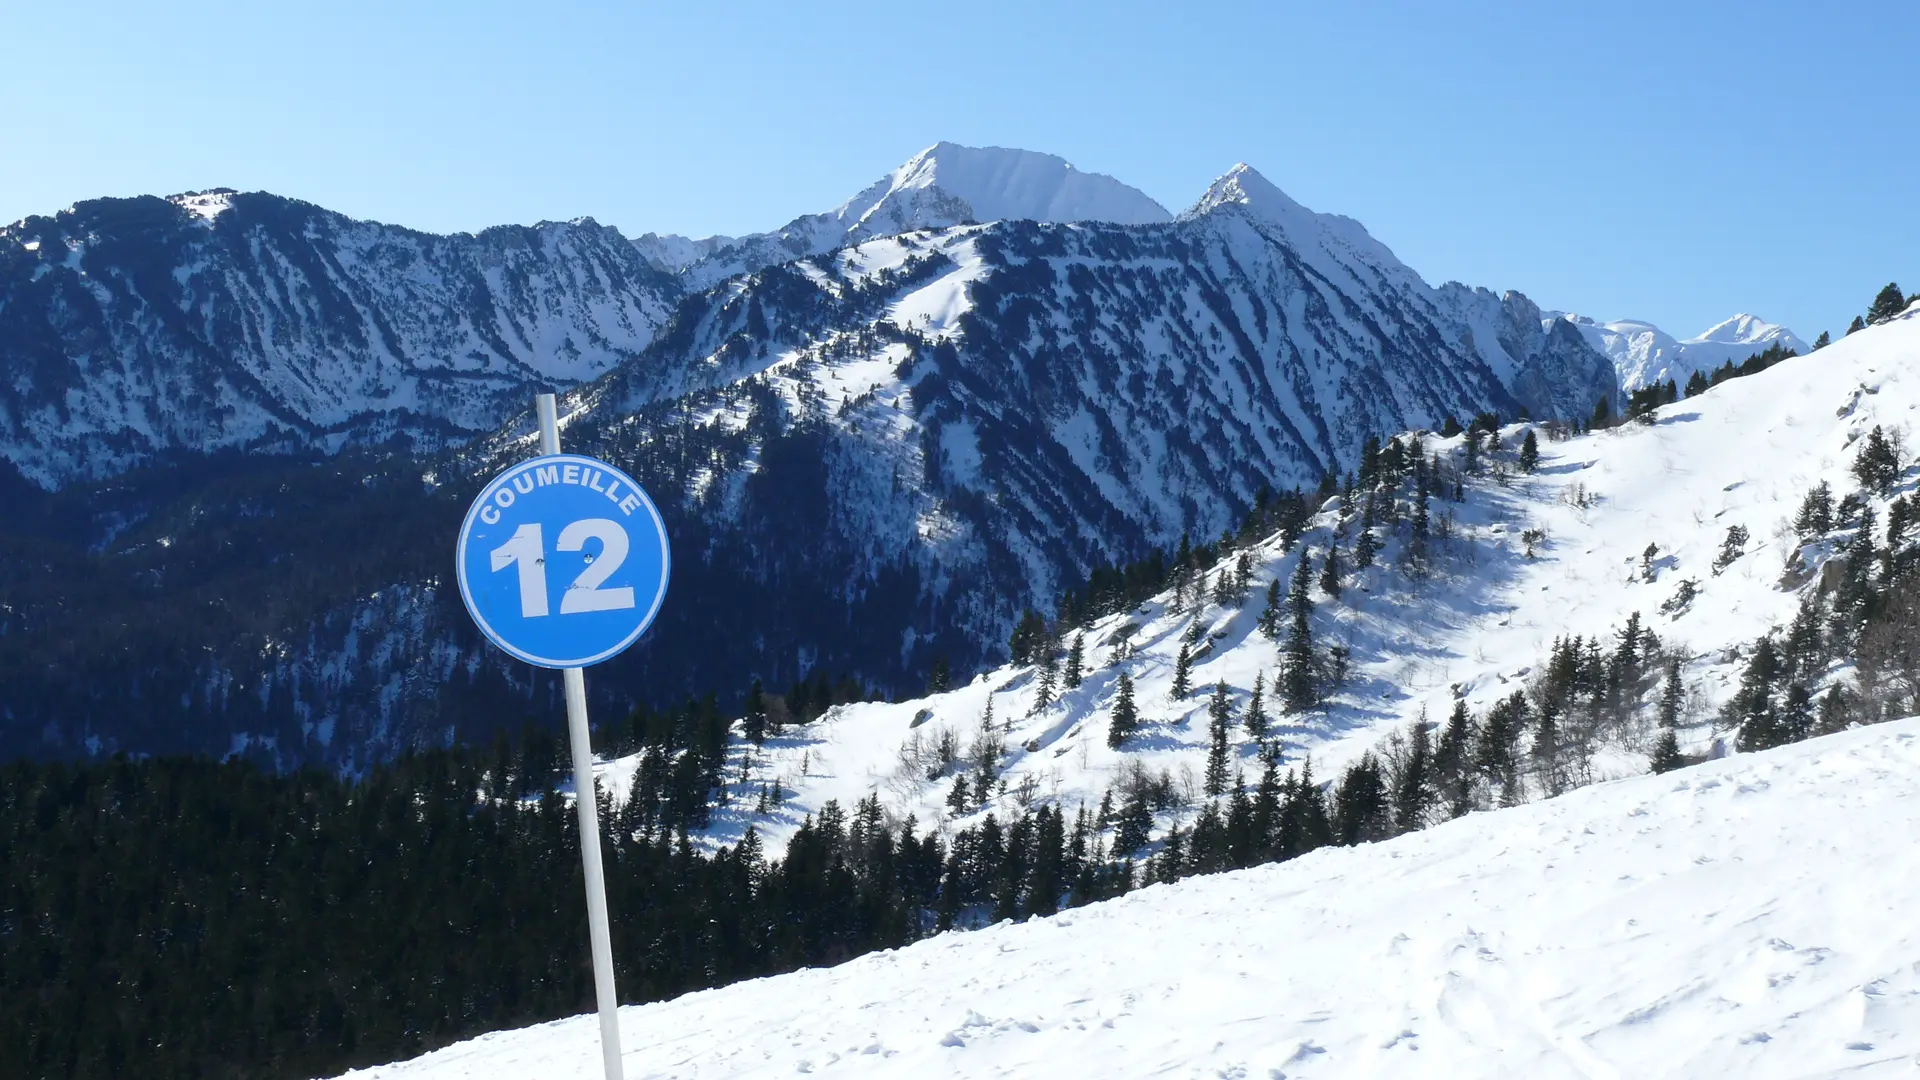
1751	917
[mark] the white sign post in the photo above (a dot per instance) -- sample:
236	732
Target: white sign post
609	537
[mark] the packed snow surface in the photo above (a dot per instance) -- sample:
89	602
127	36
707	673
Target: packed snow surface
1750	917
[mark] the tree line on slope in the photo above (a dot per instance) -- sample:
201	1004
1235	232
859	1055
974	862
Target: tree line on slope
177	917
1851	655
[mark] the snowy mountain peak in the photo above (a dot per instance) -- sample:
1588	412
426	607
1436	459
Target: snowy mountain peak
1644	354
944	185
1744	329
999	184
1243	185
1319	237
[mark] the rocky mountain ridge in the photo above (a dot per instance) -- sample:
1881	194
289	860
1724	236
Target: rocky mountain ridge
869	458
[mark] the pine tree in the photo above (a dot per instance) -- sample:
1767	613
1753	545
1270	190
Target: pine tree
957	796
1183	574
1666	751
941	680
1182	668
1816	512
1752	705
1422	527
1877	465
1219	720
1497	759
1135	826
1364	547
1731	548
1223	589
1795	719
1362	806
1546	751
1454	761
1076	660
1833	712
754	724
1900	516
1414	791
1171	863
1858	324
1270	617
1698	384
1886	304
1823	340
1800	651
1530	449
1126	718
1256	722
1671	696
1300	691
1369	462
1330	573
987	749
1028	637
1049	672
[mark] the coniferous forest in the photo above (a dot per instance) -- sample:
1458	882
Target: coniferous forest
178	918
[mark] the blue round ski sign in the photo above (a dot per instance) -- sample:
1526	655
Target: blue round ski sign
563	561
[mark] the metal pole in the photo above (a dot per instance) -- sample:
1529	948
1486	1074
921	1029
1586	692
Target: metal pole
584	803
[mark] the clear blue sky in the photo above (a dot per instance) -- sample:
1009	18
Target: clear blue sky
1669	161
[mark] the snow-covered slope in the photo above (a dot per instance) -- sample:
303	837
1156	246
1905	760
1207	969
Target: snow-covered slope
1749	918
132	327
1644	354
1474	624
945	184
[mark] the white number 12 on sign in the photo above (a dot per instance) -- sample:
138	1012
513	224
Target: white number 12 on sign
527	551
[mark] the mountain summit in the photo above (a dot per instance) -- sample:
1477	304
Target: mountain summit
945	184
998	184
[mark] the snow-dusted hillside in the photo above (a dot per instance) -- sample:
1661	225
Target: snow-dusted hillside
1749	918
945	184
1644	354
131	327
1475	623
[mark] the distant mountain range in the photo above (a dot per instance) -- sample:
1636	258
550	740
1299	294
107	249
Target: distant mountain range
131	327
879	432
1644	354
